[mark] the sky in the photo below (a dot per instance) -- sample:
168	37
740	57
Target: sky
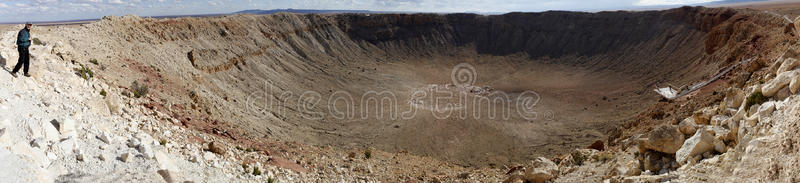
54	10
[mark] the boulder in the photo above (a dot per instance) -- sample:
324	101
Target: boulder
627	168
38	143
753	110
733	126
168	169
751	121
50	131
653	161
79	155
773	86
167	175
740	79
787	65
665	138
648	178
765	111
702	141
146	151
794	85
722	134
125	157
766	108
718	120
734	98
105	137
17	168
541	170
217	148
66	127
783	93
68	145
687	126
133	143
113	103
515	179
703	116
720	147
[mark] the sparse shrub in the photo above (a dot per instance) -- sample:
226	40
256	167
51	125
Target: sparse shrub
270	180
94	61
239	148
368	154
103	92
36	41
245	167
84	72
163	142
139	90
755	98
603	156
578	158
249	150
256	171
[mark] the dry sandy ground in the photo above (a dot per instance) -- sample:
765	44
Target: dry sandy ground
785	7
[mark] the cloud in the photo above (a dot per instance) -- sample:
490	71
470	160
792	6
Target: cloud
215	3
671	2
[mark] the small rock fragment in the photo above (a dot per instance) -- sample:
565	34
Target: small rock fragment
125	157
217	148
687	126
703	116
105	137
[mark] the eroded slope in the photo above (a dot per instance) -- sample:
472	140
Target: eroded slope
242	76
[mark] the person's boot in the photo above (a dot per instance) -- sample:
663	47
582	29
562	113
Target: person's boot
14	74
27	75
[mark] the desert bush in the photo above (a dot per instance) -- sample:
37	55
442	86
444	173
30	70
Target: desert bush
36	41
245	167
578	158
84	72
755	98
368	154
603	156
256	171
139	90
94	61
103	92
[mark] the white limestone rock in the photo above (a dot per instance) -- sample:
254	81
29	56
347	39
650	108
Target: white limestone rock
701	142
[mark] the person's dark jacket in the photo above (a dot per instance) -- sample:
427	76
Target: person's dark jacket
23	38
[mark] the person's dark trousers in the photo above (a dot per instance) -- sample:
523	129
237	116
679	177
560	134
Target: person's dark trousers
24	59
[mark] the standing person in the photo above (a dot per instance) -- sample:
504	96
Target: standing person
23	42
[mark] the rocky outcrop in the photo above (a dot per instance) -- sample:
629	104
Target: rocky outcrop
687	126
783	79
665	138
701	142
541	170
